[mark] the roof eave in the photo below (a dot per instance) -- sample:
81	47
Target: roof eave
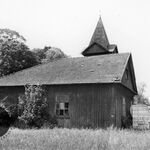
113	81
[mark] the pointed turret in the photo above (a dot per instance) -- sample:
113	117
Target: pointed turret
100	36
99	43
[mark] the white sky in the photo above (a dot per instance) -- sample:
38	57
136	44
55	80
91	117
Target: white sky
69	25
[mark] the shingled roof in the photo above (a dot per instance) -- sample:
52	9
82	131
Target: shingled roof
99	43
100	36
94	69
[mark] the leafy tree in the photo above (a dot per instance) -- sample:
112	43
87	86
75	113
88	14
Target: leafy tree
141	98
54	54
15	56
7	34
40	54
49	54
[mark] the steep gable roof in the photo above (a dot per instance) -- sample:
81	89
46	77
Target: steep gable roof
100	36
128	78
94	69
99	43
94	49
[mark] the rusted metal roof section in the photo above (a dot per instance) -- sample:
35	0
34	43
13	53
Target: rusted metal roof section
94	69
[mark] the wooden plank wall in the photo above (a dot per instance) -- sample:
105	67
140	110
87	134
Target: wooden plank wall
89	106
120	92
11	92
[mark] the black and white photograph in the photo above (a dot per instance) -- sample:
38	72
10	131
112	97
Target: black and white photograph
74	75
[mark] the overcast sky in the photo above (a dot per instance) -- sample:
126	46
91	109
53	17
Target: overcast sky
69	25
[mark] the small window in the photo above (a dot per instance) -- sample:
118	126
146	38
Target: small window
62	105
62	109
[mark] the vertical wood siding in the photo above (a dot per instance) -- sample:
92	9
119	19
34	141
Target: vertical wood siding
12	92
90	105
120	93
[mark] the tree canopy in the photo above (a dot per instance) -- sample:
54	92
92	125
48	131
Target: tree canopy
48	54
15	55
7	34
141	98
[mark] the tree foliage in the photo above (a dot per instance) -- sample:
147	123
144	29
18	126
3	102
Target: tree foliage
7	34
15	56
34	106
49	54
10	106
141	98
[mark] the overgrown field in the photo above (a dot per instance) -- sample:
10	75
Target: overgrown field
76	139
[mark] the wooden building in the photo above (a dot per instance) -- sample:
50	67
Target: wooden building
91	91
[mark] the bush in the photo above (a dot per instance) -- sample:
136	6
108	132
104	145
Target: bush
31	110
33	106
126	122
8	104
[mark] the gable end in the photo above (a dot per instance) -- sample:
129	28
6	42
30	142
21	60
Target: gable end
128	78
94	49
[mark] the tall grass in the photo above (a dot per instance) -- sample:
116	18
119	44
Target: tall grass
76	139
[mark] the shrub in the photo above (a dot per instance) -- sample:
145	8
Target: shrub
9	104
33	106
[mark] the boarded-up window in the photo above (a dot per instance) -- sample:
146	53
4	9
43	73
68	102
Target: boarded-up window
62	105
124	106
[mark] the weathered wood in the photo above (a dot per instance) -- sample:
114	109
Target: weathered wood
93	105
90	105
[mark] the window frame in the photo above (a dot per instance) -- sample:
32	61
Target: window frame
61	100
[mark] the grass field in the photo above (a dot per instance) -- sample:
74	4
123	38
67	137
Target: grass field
76	139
